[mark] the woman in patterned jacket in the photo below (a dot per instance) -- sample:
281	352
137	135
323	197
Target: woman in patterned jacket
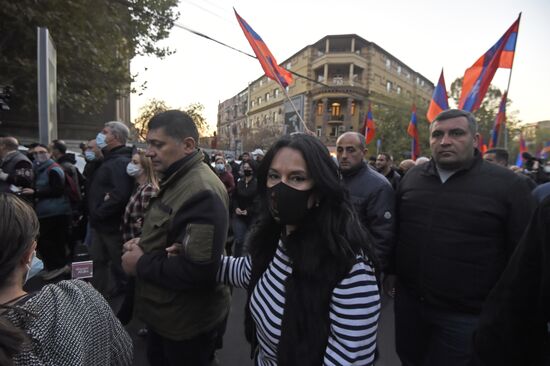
68	323
313	297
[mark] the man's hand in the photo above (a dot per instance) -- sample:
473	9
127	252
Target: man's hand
238	211
132	252
27	191
3	176
388	285
174	250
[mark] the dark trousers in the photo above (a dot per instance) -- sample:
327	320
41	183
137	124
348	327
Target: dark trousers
198	351
106	252
429	336
53	240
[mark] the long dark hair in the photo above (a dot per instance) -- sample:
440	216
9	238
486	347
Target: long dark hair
18	228
322	251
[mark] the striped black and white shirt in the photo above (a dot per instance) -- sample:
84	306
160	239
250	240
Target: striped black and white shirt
354	309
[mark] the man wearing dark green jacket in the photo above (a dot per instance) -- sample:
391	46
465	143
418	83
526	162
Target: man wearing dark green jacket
177	296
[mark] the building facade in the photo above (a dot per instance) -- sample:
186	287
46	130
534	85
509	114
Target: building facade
342	75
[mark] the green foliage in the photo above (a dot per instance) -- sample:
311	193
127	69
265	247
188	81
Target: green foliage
154	106
392	120
95	40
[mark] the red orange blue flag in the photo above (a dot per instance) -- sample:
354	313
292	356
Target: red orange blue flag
370	127
500	119
269	64
478	77
522	149
440	100
412	130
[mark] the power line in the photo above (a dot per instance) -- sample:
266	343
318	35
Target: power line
243	52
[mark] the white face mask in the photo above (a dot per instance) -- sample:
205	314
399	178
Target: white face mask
35	267
133	170
100	140
220	167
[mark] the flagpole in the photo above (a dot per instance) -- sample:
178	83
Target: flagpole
307	130
505	129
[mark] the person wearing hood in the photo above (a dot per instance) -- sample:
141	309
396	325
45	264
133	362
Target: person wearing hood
107	199
67	323
15	168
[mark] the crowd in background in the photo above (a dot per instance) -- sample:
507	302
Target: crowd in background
322	238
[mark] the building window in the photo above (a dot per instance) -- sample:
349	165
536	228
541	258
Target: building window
341	130
335	109
333	131
276	93
288	65
319	131
259	100
399	90
252	104
417	80
320	108
399	69
267	97
422	82
388	86
388	64
353	108
261	81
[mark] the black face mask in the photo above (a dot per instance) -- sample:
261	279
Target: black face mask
287	205
247	173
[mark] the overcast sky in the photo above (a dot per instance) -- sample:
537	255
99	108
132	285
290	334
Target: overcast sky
425	35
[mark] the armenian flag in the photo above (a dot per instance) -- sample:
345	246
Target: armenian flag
478	77
440	100
412	130
500	119
269	64
370	127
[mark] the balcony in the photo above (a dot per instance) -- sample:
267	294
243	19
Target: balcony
336	119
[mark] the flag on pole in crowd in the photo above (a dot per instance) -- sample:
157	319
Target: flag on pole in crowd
500	119
269	64
522	149
412	130
545	151
482	146
370	127
440	100
478	77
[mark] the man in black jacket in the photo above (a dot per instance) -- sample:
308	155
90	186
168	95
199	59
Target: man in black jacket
107	199
384	165
371	194
460	219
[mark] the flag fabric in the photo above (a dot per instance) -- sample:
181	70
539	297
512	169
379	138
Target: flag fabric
500	119
482	146
522	149
370	127
440	100
412	130
269	64
545	151
478	77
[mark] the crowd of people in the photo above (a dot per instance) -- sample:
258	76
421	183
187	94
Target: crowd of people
459	240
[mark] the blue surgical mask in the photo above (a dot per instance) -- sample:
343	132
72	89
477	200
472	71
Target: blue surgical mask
220	167
133	170
100	140
35	267
90	155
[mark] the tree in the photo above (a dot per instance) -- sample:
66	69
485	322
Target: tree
392	119
95	40
154	106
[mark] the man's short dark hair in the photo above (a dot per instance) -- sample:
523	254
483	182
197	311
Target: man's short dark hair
453	113
59	146
387	156
176	123
500	154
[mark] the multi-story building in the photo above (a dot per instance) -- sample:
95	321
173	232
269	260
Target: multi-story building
342	74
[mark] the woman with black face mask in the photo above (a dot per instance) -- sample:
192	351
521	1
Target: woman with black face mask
245	207
313	295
